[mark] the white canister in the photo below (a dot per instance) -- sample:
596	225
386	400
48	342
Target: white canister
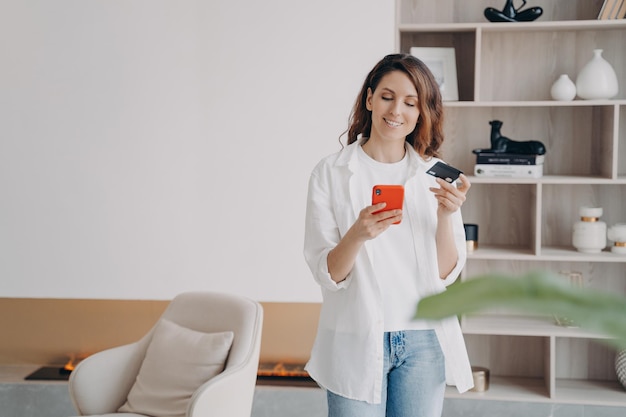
589	233
617	234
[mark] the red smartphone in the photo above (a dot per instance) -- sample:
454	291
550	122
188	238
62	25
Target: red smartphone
393	195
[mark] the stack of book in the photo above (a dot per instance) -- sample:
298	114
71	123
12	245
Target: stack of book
613	9
508	165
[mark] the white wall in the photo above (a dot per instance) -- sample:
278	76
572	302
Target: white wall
149	147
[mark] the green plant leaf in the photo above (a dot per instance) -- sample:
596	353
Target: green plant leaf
538	292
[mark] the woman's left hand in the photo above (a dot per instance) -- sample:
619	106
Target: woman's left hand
450	197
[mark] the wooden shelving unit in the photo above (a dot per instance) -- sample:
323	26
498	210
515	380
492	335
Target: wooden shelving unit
505	71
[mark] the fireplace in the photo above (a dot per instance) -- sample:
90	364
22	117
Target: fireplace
284	374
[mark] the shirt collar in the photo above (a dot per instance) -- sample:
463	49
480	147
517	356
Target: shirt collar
348	157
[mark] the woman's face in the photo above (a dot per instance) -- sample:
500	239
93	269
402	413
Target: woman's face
394	107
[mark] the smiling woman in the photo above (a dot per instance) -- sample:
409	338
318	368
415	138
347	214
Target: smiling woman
373	267
395	113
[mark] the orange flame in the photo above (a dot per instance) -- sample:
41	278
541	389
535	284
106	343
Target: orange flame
285	369
69	366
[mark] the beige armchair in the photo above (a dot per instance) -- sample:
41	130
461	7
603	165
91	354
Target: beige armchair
101	384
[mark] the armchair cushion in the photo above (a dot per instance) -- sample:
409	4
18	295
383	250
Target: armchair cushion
177	362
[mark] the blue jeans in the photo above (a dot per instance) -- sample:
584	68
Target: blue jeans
414	380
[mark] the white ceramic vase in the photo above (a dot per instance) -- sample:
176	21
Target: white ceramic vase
597	79
563	89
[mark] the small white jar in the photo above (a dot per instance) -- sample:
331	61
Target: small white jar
617	234
563	89
589	235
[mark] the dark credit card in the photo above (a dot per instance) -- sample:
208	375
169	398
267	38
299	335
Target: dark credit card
444	171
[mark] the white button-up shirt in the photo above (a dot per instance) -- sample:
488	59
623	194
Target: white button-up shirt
347	356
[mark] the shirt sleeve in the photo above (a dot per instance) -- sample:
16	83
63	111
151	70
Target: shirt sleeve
461	247
321	232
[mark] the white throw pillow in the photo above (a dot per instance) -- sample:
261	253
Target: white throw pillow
178	361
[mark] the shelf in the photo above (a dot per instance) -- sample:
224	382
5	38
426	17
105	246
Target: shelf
590	392
550	179
574	179
547	254
522	326
571	255
437	27
560	26
502	253
534	390
507	389
536	103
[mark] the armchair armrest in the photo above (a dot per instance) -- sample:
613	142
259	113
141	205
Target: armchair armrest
229	394
100	384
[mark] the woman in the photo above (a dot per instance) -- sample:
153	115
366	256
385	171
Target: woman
369	354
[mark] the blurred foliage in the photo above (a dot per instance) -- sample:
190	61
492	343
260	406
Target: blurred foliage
539	292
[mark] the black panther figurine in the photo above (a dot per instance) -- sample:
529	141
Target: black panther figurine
502	144
511	14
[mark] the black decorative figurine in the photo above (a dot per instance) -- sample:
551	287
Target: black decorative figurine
502	144
511	14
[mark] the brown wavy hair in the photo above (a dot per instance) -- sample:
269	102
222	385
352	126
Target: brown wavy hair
427	137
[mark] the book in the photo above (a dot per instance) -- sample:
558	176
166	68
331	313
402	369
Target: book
606	8
508	158
612	9
508	171
621	11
